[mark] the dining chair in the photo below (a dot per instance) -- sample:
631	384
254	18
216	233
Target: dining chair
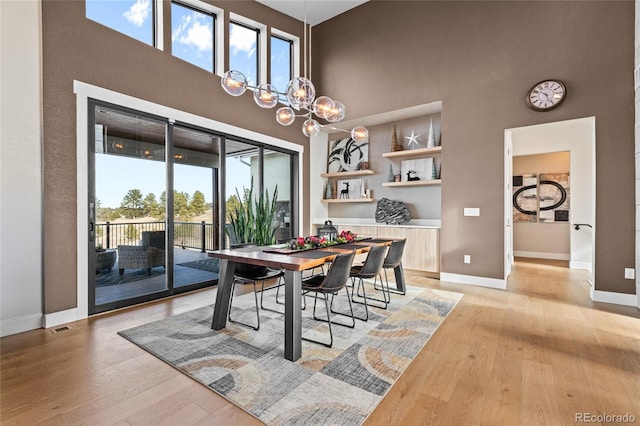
330	284
246	274
369	269
392	261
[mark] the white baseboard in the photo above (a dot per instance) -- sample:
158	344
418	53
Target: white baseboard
62	317
21	324
470	279
581	265
541	255
612	297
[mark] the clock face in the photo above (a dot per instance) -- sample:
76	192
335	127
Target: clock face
546	95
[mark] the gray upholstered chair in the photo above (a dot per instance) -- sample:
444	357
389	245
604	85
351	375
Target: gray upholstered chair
335	280
370	269
149	254
392	261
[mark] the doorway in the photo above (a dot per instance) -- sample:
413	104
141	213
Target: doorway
577	138
154	202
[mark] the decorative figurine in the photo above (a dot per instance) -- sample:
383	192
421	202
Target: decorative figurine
345	192
413	139
411	178
395	146
431	138
391	177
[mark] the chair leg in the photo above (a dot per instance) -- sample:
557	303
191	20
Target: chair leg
280	284
255	296
328	321
355	289
384	299
353	321
389	289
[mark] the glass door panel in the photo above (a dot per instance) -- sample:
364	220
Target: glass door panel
195	207
128	209
242	175
277	174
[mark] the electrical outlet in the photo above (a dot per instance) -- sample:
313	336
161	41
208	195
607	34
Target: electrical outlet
467	258
629	273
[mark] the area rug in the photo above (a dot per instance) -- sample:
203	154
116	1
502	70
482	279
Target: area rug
209	265
340	385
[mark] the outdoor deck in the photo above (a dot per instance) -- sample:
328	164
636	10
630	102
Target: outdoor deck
191	266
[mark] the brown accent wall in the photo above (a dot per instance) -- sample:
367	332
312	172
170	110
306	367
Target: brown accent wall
76	48
480	58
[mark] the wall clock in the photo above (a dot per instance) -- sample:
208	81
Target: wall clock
546	95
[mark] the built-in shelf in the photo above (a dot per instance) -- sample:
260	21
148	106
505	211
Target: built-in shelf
413	153
347	174
414	183
348	200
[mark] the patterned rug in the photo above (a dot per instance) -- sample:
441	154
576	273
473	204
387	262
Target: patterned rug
210	265
247	367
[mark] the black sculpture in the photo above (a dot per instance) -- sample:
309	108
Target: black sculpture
392	212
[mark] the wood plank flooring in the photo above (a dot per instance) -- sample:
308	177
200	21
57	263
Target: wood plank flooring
537	353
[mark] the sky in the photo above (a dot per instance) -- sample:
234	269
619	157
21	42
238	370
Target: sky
192	40
116	175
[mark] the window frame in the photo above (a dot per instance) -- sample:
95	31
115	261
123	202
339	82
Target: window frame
295	49
262	42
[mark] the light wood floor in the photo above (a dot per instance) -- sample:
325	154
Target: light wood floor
535	354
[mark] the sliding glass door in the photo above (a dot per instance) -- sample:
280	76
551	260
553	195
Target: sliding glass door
127	247
155	207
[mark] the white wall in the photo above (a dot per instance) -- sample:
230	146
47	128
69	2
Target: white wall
20	167
637	138
578	137
538	239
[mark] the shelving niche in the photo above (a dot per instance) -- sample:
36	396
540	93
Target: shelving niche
411	154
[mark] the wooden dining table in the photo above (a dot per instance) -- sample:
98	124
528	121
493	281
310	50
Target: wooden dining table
293	263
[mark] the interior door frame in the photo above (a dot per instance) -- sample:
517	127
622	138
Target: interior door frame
583	161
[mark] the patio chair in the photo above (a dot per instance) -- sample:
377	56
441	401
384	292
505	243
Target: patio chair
335	280
149	254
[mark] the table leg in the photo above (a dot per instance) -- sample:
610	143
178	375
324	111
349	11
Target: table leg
225	282
400	283
292	315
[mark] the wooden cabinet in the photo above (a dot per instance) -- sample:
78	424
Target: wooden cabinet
422	251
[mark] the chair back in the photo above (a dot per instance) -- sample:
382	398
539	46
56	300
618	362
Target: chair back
374	262
394	256
247	270
338	273
153	239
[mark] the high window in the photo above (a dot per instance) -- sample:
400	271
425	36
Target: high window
243	51
134	18
281	62
192	35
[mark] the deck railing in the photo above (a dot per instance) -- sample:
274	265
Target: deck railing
194	235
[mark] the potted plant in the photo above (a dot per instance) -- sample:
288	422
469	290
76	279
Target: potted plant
253	221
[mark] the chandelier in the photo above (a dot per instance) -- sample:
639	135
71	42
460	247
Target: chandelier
298	100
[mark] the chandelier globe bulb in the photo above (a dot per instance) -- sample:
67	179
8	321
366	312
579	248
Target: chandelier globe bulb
285	116
266	96
310	127
234	83
300	93
360	134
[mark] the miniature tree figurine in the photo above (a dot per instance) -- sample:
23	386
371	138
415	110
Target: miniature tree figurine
395	146
391	177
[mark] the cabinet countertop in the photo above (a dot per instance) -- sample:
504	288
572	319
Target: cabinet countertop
413	223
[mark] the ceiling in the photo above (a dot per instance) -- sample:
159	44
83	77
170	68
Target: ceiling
316	11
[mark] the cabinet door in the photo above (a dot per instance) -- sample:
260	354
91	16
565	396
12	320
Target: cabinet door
360	231
398	233
422	251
